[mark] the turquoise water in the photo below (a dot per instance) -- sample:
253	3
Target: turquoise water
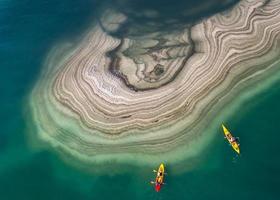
28	29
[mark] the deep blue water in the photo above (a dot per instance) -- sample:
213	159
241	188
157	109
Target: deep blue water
28	30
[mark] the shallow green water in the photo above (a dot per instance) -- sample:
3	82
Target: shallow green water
28	29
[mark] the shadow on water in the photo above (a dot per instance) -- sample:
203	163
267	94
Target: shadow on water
165	16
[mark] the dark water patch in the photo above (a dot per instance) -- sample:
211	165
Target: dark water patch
167	15
30	28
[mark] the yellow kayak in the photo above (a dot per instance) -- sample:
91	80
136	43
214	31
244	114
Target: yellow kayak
229	137
159	177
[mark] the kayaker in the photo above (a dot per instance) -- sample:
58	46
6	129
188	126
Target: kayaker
159	177
234	139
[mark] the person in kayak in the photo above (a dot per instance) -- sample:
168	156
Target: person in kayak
234	139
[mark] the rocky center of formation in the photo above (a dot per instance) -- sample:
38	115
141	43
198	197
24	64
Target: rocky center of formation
152	61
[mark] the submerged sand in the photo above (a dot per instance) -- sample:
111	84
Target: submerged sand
152	98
